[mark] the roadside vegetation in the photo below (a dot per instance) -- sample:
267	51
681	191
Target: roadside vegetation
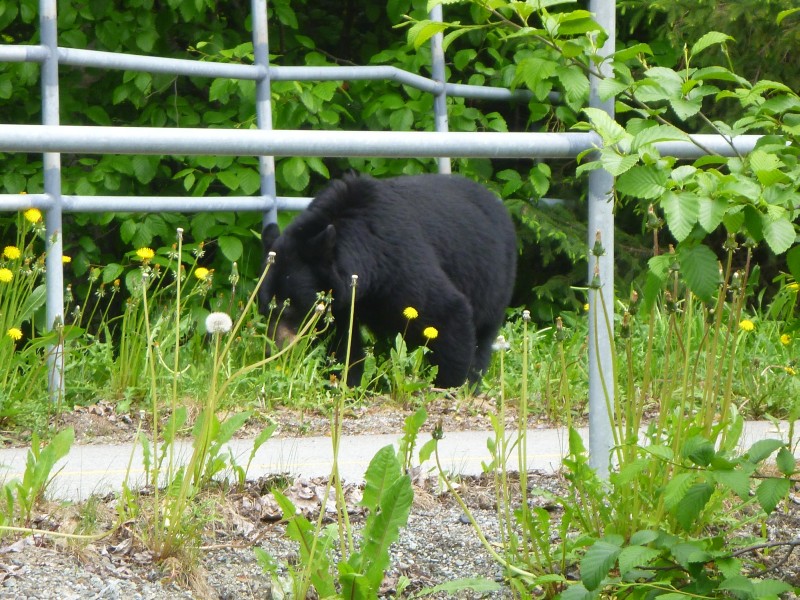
161	315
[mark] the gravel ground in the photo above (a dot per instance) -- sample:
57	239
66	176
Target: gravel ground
437	546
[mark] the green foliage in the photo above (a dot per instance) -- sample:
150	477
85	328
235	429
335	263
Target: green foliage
388	497
21	497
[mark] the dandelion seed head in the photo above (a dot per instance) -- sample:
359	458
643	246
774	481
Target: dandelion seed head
500	344
11	252
218	322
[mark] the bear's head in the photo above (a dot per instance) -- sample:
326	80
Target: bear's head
302	269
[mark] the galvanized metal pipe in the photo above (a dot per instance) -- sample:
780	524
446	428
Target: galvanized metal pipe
439	76
266	162
54	275
281	142
601	309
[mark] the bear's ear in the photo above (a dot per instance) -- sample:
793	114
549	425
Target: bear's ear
269	234
321	245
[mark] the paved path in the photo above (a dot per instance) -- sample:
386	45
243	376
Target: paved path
99	468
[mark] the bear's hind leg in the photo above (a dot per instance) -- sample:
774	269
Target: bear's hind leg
454	347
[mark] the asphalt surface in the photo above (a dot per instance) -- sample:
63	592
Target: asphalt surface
100	468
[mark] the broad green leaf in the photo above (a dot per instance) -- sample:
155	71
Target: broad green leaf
779	235
35	300
144	167
597	562
231	247
785	461
616	163
699	450
230	426
676	489
578	592
644	536
793	262
694	501
608	129
710	212
762	449
770	588
771	491
422	31
700	270
685	108
644	182
739	586
383	470
709	39
738	481
633	557
682	210
659	133
785	13
608	88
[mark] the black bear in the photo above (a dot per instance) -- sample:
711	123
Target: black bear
441	244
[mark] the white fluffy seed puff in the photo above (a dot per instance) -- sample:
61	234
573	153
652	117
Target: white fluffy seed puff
218	322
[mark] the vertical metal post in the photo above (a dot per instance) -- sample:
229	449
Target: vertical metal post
52	187
264	103
438	75
601	227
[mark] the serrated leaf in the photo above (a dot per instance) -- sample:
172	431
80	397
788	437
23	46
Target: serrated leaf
633	557
779	235
608	88
643	182
231	247
700	270
793	262
422	31
577	592
608	129
785	462
762	449
676	489
711	212
709	39
685	108
681	210
771	491
597	562
644	536
692	504
739	586
659	133
616	163
144	168
770	588
738	481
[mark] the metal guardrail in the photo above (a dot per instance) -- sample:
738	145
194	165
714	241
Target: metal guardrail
53	139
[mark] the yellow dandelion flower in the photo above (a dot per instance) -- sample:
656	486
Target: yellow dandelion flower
586	307
14	333
746	325
11	252
409	312
33	215
201	273
6	275
793	286
66	259
786	339
790	370
431	333
145	253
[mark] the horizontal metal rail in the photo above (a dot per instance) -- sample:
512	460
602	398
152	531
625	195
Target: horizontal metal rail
196	68
253	142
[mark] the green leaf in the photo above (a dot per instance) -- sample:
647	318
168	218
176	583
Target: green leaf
633	557
779	235
676	489
616	163
711	212
770	588
785	462
35	300
659	133
739	586
607	88
597	562
422	31
694	501
711	38
762	449
793	262
383	470
144	168
578	592
771	491
644	182
231	247
738	481
785	13
700	270
608	129
682	211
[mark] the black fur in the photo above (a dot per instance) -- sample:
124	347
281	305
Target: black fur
442	244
